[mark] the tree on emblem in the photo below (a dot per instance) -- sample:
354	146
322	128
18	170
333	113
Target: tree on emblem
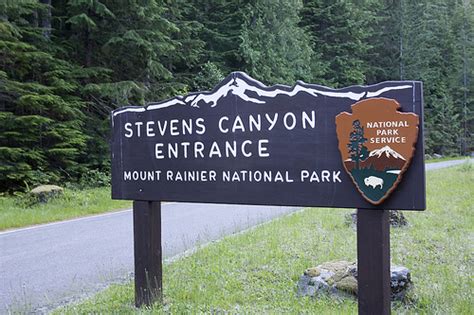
357	150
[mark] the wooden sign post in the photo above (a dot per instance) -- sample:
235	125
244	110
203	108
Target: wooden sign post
148	252
373	261
246	143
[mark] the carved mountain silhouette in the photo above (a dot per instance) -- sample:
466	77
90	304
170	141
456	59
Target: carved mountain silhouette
242	86
381	159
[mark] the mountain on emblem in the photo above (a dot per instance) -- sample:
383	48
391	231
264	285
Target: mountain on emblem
376	143
387	151
379	159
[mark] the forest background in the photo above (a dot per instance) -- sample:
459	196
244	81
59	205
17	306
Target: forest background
65	64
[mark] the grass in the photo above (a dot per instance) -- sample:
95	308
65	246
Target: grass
256	272
74	203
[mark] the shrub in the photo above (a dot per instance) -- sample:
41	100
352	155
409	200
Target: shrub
95	178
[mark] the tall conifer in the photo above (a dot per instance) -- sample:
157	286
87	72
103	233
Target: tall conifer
41	122
274	48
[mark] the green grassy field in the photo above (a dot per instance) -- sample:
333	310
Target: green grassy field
14	213
256	272
74	203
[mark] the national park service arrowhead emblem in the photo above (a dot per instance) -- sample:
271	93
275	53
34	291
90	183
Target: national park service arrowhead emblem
377	143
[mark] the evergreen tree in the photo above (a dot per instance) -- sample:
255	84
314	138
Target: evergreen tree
85	21
427	41
222	22
428	54
208	77
189	57
357	150
134	51
339	33
382	57
139	47
275	49
41	135
462	26
65	64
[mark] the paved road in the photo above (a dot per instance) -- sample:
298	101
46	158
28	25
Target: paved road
47	265
438	165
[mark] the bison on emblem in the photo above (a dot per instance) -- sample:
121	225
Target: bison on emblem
373	181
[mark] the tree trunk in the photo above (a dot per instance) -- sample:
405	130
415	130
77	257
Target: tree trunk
3	16
401	41
88	49
88	43
465	87
46	18
34	19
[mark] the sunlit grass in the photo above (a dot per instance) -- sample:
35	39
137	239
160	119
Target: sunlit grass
256	272
15	213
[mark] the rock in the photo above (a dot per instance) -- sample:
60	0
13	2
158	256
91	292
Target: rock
336	277
396	217
340	278
336	266
45	192
351	219
312	272
311	290
347	284
400	282
437	156
303	286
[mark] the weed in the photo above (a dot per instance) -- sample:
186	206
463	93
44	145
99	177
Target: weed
18	211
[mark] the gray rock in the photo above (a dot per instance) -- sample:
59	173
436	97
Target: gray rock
351	219
43	193
303	285
325	275
331	278
311	291
400	282
319	283
340	278
397	219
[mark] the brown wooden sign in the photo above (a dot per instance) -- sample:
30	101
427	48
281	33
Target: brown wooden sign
377	144
247	143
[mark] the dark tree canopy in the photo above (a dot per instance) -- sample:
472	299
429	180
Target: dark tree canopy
65	64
